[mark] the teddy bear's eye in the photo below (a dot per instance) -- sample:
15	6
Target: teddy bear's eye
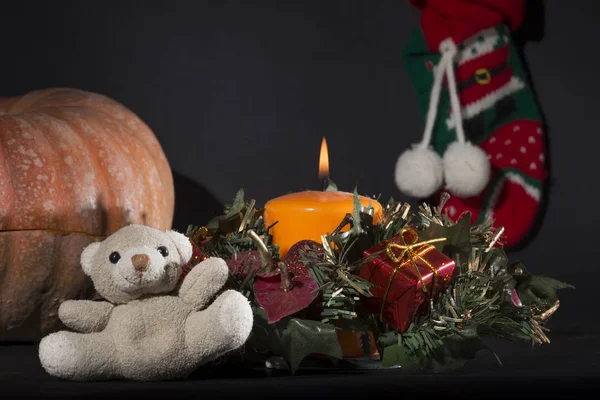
114	257
163	251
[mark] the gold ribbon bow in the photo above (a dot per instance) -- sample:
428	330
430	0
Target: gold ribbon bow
409	249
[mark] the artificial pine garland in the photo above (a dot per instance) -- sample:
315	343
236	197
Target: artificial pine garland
301	301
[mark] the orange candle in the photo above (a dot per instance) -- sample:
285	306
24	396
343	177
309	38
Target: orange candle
310	214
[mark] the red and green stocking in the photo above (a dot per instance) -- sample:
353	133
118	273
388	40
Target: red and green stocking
498	108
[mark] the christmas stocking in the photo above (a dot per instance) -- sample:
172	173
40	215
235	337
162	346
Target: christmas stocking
482	118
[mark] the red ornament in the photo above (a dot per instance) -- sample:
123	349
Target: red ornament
197	257
279	303
405	276
293	258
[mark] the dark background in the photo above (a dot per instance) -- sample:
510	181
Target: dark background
239	93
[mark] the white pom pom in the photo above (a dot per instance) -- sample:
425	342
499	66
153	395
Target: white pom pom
466	169
419	172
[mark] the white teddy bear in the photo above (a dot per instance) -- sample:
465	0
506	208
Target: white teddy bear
145	330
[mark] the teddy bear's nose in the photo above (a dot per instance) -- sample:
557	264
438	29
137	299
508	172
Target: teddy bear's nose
140	262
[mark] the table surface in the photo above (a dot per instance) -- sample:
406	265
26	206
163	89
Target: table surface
567	366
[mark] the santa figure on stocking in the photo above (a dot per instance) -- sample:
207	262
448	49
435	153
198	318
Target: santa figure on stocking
483	138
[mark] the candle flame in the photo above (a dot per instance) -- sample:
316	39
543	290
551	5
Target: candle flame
324	160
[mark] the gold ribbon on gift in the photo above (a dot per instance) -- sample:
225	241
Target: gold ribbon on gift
408	249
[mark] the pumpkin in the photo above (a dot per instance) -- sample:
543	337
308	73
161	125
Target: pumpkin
75	167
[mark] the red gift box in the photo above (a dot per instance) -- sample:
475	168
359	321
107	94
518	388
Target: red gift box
406	274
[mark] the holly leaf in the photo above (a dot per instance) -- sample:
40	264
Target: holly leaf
388	338
265	336
213	224
458	238
455	352
279	303
459	233
444	356
295	339
435	231
537	288
396	355
458	241
303	337
237	206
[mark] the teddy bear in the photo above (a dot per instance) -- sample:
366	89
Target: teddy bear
150	326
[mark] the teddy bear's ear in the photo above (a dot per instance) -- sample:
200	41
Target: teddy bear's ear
86	256
183	244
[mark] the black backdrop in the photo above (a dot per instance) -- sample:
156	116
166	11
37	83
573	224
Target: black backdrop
240	93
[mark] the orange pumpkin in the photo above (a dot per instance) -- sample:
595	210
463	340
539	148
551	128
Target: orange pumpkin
74	167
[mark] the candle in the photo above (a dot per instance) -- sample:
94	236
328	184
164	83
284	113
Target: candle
311	214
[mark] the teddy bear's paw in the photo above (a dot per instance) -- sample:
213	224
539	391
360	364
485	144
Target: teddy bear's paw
59	356
222	327
203	281
213	271
70	314
235	317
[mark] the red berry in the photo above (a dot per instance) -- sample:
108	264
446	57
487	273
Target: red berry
293	258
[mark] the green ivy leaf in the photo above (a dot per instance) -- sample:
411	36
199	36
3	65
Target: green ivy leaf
294	339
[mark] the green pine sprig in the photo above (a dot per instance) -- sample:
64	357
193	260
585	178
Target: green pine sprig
479	301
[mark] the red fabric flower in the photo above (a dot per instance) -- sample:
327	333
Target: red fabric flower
279	303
